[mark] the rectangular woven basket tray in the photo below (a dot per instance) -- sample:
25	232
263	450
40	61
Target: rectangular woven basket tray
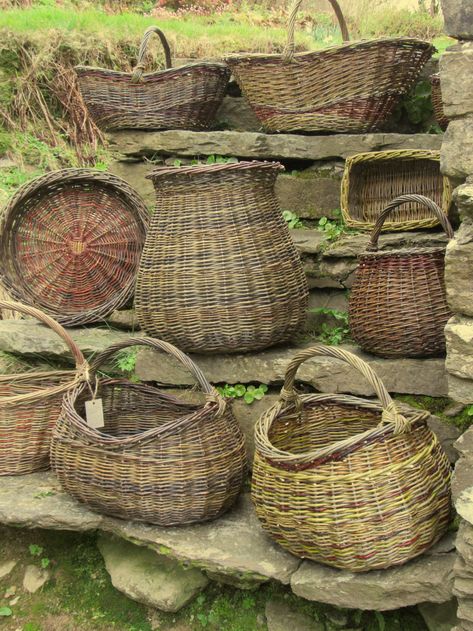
371	180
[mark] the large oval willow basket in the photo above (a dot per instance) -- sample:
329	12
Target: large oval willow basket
349	88
347	481
157	459
175	98
219	270
71	243
398	303
30	404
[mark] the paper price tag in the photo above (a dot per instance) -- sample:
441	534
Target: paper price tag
94	413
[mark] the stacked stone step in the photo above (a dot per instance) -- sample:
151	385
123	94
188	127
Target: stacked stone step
456	77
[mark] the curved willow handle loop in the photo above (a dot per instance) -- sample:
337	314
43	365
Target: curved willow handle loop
288	53
52	324
404	199
390	413
140	63
209	391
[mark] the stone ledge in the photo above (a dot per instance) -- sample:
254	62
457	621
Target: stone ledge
258	145
234	545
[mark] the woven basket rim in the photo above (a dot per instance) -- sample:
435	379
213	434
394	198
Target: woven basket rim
81	70
398	154
193	169
235	57
90	434
353	442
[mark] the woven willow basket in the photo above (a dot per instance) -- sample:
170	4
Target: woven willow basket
219	271
398	305
30	404
187	97
347	481
437	102
157	459
348	88
371	180
71	242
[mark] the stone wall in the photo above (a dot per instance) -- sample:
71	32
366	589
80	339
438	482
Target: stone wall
456	76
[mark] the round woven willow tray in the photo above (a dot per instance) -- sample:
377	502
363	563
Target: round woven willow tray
30	404
346	481
398	304
71	242
187	97
349	88
157	459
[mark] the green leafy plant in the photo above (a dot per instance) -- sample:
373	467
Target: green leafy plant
292	219
35	550
418	105
5	611
126	359
221	160
332	229
333	335
248	393
45	562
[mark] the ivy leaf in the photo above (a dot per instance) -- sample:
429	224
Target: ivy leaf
259	394
5	611
323	221
249	397
251	389
240	389
264	388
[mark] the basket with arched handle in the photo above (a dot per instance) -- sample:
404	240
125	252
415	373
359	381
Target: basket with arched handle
186	97
157	459
398	305
30	402
353	87
347	481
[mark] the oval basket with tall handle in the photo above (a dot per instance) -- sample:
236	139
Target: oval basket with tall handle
157	459
349	88
30	403
398	304
347	481
175	98
219	270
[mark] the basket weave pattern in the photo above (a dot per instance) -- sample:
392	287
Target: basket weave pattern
175	98
71	242
348	88
219	271
157	459
349	482
437	102
30	404
398	305
371	180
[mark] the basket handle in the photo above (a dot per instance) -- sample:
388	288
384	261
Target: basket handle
289	395
210	392
140	62
404	199
288	53
52	324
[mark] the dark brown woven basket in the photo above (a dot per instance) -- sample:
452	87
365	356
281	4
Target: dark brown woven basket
398	305
30	404
219	270
437	102
347	481
175	98
158	459
348	88
71	242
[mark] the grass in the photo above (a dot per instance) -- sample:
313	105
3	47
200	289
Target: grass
80	596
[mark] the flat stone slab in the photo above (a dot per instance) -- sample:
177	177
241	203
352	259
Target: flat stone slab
234	545
259	145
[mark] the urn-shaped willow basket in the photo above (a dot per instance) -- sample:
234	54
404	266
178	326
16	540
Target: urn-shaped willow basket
349	88
186	97
219	270
347	481
398	304
157	458
30	403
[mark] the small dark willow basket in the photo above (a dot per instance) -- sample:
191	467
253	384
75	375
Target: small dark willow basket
349	88
347	481
30	404
398	305
157	459
187	97
437	102
71	243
